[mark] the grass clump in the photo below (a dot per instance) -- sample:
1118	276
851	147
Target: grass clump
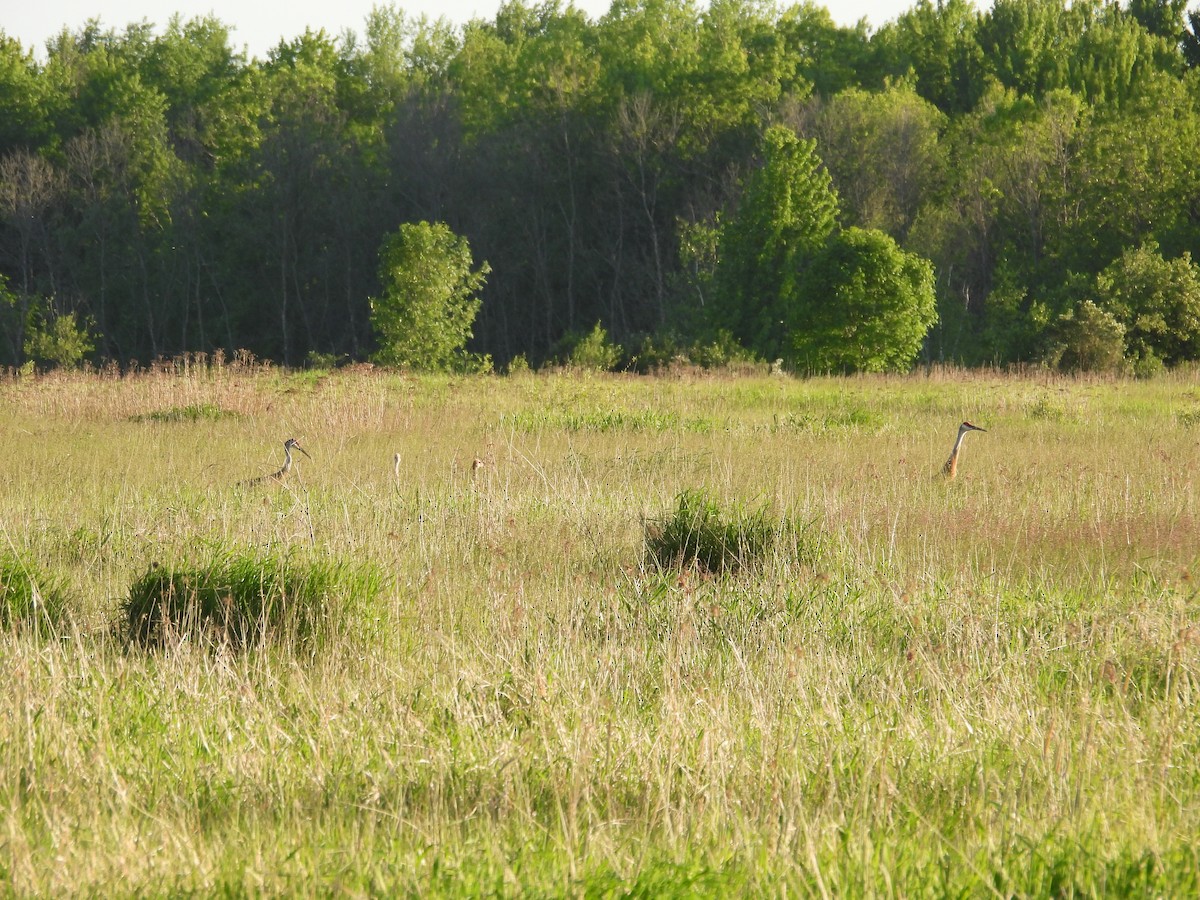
193	412
28	597
243	598
700	532
1188	418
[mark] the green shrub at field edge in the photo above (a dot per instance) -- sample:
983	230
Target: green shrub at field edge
245	598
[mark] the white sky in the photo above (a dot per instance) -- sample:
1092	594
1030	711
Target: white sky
259	25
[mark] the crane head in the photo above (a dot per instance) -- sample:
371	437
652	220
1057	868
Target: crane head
967	426
293	444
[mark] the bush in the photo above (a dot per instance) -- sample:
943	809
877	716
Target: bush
59	340
242	598
591	352
518	365
1157	303
700	532
28	597
1090	339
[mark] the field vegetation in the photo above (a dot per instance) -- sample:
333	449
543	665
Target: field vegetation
599	635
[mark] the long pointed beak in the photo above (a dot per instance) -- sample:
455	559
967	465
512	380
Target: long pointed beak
302	450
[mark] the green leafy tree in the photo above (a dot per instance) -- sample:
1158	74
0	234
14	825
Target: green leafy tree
1090	339
995	231
22	115
1134	179
1024	43
1156	301
1162	18
787	212
938	43
882	150
1189	41
865	305
424	316
827	56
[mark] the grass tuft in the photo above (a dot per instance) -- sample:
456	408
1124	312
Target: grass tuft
30	599
243	598
699	531
1188	418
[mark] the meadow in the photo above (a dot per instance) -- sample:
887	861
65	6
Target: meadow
912	687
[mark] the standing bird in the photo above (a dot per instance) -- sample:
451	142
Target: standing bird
950	469
288	446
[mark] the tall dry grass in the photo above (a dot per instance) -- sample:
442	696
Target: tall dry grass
977	687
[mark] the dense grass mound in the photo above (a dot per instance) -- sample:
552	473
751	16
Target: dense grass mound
242	598
194	412
699	531
28	597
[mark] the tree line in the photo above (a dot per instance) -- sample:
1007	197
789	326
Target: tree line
1034	168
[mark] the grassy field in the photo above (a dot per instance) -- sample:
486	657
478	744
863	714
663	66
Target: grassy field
913	687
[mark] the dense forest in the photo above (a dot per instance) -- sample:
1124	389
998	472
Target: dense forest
161	193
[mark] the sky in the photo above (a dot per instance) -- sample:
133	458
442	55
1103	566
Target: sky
258	25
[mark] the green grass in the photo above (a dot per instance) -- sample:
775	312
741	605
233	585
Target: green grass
462	680
29	598
244	598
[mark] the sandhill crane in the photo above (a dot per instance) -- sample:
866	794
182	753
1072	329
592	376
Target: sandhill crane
288	446
950	469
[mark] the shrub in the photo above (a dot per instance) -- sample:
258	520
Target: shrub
1090	340
700	532
28	597
717	350
60	340
1157	303
518	365
592	352
243	598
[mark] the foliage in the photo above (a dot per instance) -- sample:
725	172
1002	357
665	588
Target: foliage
883	152
424	317
711	350
1156	301
787	211
12	322
29	598
1014	324
939	45
57	339
518	365
1090	340
864	305
593	352
247	598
